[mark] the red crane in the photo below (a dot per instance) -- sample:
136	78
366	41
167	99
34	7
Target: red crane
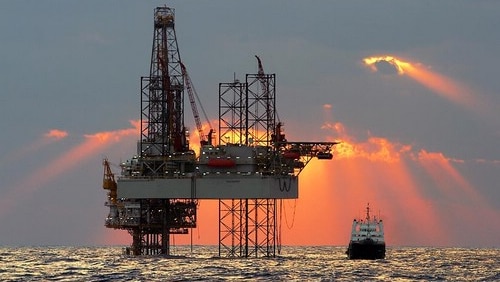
204	140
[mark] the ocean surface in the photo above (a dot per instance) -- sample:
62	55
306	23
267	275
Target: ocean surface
200	263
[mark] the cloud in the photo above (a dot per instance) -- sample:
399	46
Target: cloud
385	64
485	161
373	149
46	139
56	134
444	86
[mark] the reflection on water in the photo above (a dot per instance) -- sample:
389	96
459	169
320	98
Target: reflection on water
294	263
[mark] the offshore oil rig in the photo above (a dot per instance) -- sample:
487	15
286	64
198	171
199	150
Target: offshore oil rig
248	171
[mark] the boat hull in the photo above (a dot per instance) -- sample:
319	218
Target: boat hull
366	249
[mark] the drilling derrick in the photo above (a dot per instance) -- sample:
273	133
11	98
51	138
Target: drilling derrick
162	119
251	168
163	151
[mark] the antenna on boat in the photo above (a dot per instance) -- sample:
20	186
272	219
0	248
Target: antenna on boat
368	211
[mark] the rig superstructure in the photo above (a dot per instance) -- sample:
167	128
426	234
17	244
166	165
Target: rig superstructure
251	168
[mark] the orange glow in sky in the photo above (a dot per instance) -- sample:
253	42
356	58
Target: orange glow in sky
194	137
371	171
374	148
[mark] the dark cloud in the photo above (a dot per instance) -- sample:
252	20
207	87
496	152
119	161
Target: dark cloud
386	67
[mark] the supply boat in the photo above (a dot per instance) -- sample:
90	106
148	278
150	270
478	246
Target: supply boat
367	238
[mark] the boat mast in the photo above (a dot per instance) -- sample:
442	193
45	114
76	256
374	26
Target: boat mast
368	212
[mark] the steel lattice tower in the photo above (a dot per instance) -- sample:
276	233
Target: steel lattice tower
261	108
232	113
163	149
247	116
162	118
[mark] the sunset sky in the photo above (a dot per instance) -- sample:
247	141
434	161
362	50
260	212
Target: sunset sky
411	88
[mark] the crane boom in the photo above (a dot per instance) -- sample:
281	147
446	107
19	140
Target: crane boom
261	74
109	182
204	140
263	82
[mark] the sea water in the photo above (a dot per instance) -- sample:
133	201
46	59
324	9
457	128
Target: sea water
200	263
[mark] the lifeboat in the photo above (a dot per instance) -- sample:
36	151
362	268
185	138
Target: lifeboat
221	162
325	156
291	155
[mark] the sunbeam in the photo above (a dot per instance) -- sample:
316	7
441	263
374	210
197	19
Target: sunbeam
45	139
449	89
388	173
92	145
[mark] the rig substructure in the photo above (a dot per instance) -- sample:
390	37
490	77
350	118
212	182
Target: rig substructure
251	168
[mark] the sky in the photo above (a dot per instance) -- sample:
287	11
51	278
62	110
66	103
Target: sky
410	88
